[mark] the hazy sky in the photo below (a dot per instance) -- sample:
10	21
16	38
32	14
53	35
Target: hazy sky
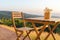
30	5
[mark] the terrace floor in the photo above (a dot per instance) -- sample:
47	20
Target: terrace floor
8	33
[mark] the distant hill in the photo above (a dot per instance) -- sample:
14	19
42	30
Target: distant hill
7	14
30	15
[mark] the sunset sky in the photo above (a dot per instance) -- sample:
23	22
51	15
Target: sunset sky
33	6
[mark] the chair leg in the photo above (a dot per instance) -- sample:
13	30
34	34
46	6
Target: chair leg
27	35
18	36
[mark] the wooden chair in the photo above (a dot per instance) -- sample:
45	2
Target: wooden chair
20	30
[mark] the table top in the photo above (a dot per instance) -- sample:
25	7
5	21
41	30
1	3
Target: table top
42	19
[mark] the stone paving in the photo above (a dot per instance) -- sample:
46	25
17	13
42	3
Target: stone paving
6	34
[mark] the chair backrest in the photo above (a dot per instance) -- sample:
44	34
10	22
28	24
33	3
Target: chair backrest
17	15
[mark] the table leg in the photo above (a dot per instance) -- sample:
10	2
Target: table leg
35	30
51	32
44	27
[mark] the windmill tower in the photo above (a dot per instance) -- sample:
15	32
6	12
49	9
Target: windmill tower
47	13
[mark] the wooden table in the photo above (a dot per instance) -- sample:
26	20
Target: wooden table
45	22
